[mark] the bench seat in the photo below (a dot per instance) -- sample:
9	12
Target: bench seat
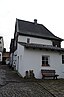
49	73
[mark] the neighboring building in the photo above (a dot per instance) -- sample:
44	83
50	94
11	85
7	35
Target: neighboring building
1	48
0	57
6	57
36	48
11	52
1	44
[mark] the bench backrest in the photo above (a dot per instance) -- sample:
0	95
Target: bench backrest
48	72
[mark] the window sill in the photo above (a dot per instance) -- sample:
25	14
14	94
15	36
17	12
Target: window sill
45	65
62	63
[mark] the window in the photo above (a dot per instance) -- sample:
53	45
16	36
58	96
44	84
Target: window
0	54
28	40
56	43
45	60
62	59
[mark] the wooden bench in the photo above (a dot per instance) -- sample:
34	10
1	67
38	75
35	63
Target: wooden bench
49	73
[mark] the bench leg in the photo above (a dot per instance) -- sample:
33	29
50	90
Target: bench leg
43	77
55	77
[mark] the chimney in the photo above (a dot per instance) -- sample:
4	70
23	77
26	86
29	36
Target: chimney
35	21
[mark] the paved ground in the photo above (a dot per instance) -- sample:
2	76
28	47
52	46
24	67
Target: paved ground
11	85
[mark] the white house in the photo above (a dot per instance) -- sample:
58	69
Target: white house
1	48
36	48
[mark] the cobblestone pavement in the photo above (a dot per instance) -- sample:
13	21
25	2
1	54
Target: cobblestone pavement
11	85
27	89
56	87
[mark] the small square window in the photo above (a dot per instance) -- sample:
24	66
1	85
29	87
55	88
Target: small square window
28	40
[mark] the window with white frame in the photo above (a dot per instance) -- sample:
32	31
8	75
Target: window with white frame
62	59
45	60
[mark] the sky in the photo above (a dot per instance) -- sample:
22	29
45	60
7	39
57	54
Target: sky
50	13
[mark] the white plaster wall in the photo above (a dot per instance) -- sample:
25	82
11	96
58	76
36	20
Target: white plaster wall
62	68
19	58
15	59
11	59
1	57
34	40
31	59
1	45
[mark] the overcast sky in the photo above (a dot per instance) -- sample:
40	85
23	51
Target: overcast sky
50	13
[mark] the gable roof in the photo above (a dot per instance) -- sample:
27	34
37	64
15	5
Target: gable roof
34	30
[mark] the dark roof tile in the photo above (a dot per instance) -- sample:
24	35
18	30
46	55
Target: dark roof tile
38	30
40	46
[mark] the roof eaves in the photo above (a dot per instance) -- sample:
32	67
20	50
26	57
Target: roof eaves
40	46
39	36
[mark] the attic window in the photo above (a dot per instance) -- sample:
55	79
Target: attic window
56	44
28	40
